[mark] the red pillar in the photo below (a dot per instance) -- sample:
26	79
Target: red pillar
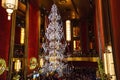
115	21
33	31
5	27
99	28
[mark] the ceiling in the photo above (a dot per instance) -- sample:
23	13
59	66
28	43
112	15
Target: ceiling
73	9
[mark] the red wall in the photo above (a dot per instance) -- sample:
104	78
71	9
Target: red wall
5	26
115	21
33	31
84	37
17	34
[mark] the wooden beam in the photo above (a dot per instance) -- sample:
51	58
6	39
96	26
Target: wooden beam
75	8
21	7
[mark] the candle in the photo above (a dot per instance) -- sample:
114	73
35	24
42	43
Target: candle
17	65
74	45
41	62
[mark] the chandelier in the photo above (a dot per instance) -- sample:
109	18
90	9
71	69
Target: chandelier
54	45
10	6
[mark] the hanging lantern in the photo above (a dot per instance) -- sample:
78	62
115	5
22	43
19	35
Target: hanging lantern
17	65
22	36
41	62
109	48
68	30
10	6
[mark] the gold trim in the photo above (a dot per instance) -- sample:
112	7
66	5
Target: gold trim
33	63
2	66
91	59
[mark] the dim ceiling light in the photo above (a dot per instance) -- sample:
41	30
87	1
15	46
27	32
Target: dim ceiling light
62	1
